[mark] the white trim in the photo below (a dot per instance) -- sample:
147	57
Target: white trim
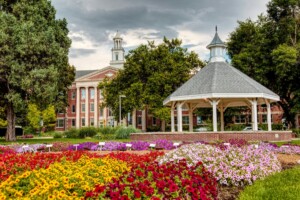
96	72
222	95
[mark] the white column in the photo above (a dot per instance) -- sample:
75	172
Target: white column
254	114
96	107
144	120
269	116
87	106
215	122
134	118
172	119
179	117
190	119
77	107
222	117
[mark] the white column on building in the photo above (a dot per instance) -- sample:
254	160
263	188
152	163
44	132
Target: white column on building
215	122
144	120
87	106
134	118
222	116
179	117
172	119
190	118
254	115
96	107
269	119
77	107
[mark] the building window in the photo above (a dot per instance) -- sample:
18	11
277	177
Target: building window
73	95
185	120
83	107
139	119
92	107
240	119
73	122
92	93
73	108
83	93
92	121
154	121
101	112
82	121
117	56
60	123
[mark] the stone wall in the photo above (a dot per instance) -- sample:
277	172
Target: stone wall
211	136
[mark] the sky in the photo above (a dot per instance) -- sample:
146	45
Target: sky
93	24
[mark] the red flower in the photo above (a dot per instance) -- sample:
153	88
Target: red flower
130	179
137	194
173	188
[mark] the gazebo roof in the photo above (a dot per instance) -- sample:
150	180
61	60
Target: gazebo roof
216	41
219	80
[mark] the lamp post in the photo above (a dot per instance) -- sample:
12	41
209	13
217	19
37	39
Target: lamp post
120	107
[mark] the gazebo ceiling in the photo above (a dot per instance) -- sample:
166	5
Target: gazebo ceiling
219	80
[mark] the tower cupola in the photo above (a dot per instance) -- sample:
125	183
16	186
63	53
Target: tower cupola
217	49
117	52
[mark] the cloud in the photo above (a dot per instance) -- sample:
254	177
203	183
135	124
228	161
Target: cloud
93	23
76	53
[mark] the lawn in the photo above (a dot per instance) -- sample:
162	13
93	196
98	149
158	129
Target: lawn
297	142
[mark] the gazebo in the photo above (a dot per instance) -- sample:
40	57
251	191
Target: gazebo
219	85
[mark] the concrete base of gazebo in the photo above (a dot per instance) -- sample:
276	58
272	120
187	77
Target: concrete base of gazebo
214	136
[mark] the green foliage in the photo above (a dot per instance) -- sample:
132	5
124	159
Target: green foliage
49	117
34	58
235	127
29	130
283	185
153	129
34	116
124	132
275	127
72	133
268	51
107	130
87	132
297	132
151	73
57	135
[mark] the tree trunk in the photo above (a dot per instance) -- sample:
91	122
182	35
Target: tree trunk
11	123
163	125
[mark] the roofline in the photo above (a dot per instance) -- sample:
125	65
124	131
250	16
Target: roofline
273	98
95	72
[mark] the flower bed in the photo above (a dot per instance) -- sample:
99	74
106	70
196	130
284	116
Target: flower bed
154	181
232	165
63	180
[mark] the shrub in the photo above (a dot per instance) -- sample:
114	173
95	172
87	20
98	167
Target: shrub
124	132
72	133
87	132
57	135
297	132
231	166
154	181
284	185
235	127
107	130
153	128
28	130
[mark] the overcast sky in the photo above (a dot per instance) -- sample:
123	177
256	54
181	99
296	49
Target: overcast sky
93	23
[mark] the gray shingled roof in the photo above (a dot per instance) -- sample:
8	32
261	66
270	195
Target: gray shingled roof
216	41
81	73
217	80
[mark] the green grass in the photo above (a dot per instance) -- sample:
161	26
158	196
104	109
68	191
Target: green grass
38	140
284	186
297	142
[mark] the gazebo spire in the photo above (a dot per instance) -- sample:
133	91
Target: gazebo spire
217	49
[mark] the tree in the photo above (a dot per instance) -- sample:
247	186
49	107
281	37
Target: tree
35	117
33	57
268	51
151	73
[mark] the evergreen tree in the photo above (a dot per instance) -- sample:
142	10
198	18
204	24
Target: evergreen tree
33	57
